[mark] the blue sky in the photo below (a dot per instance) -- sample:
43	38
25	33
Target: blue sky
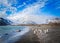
21	3
51	6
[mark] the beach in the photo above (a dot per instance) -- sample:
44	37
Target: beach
44	33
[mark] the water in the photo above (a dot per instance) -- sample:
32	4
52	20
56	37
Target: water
9	34
6	29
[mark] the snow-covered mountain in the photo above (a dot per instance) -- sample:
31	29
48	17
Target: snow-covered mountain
54	20
5	22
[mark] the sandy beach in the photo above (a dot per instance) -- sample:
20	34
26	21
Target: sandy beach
47	33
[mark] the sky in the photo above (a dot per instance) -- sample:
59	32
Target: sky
29	10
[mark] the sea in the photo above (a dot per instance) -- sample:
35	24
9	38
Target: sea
9	34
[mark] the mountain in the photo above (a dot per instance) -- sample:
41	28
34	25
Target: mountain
54	20
4	22
29	22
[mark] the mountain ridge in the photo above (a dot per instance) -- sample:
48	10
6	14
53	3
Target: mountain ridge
4	22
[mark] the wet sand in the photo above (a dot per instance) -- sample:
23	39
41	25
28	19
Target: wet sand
29	37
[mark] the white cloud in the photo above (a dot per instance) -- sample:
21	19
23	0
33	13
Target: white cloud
7	6
31	13
2	14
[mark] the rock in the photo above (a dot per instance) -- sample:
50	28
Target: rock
18	30
6	33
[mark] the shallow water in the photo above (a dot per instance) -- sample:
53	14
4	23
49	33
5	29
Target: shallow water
6	29
8	34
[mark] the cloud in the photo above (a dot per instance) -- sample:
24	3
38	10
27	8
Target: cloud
31	14
2	14
5	6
